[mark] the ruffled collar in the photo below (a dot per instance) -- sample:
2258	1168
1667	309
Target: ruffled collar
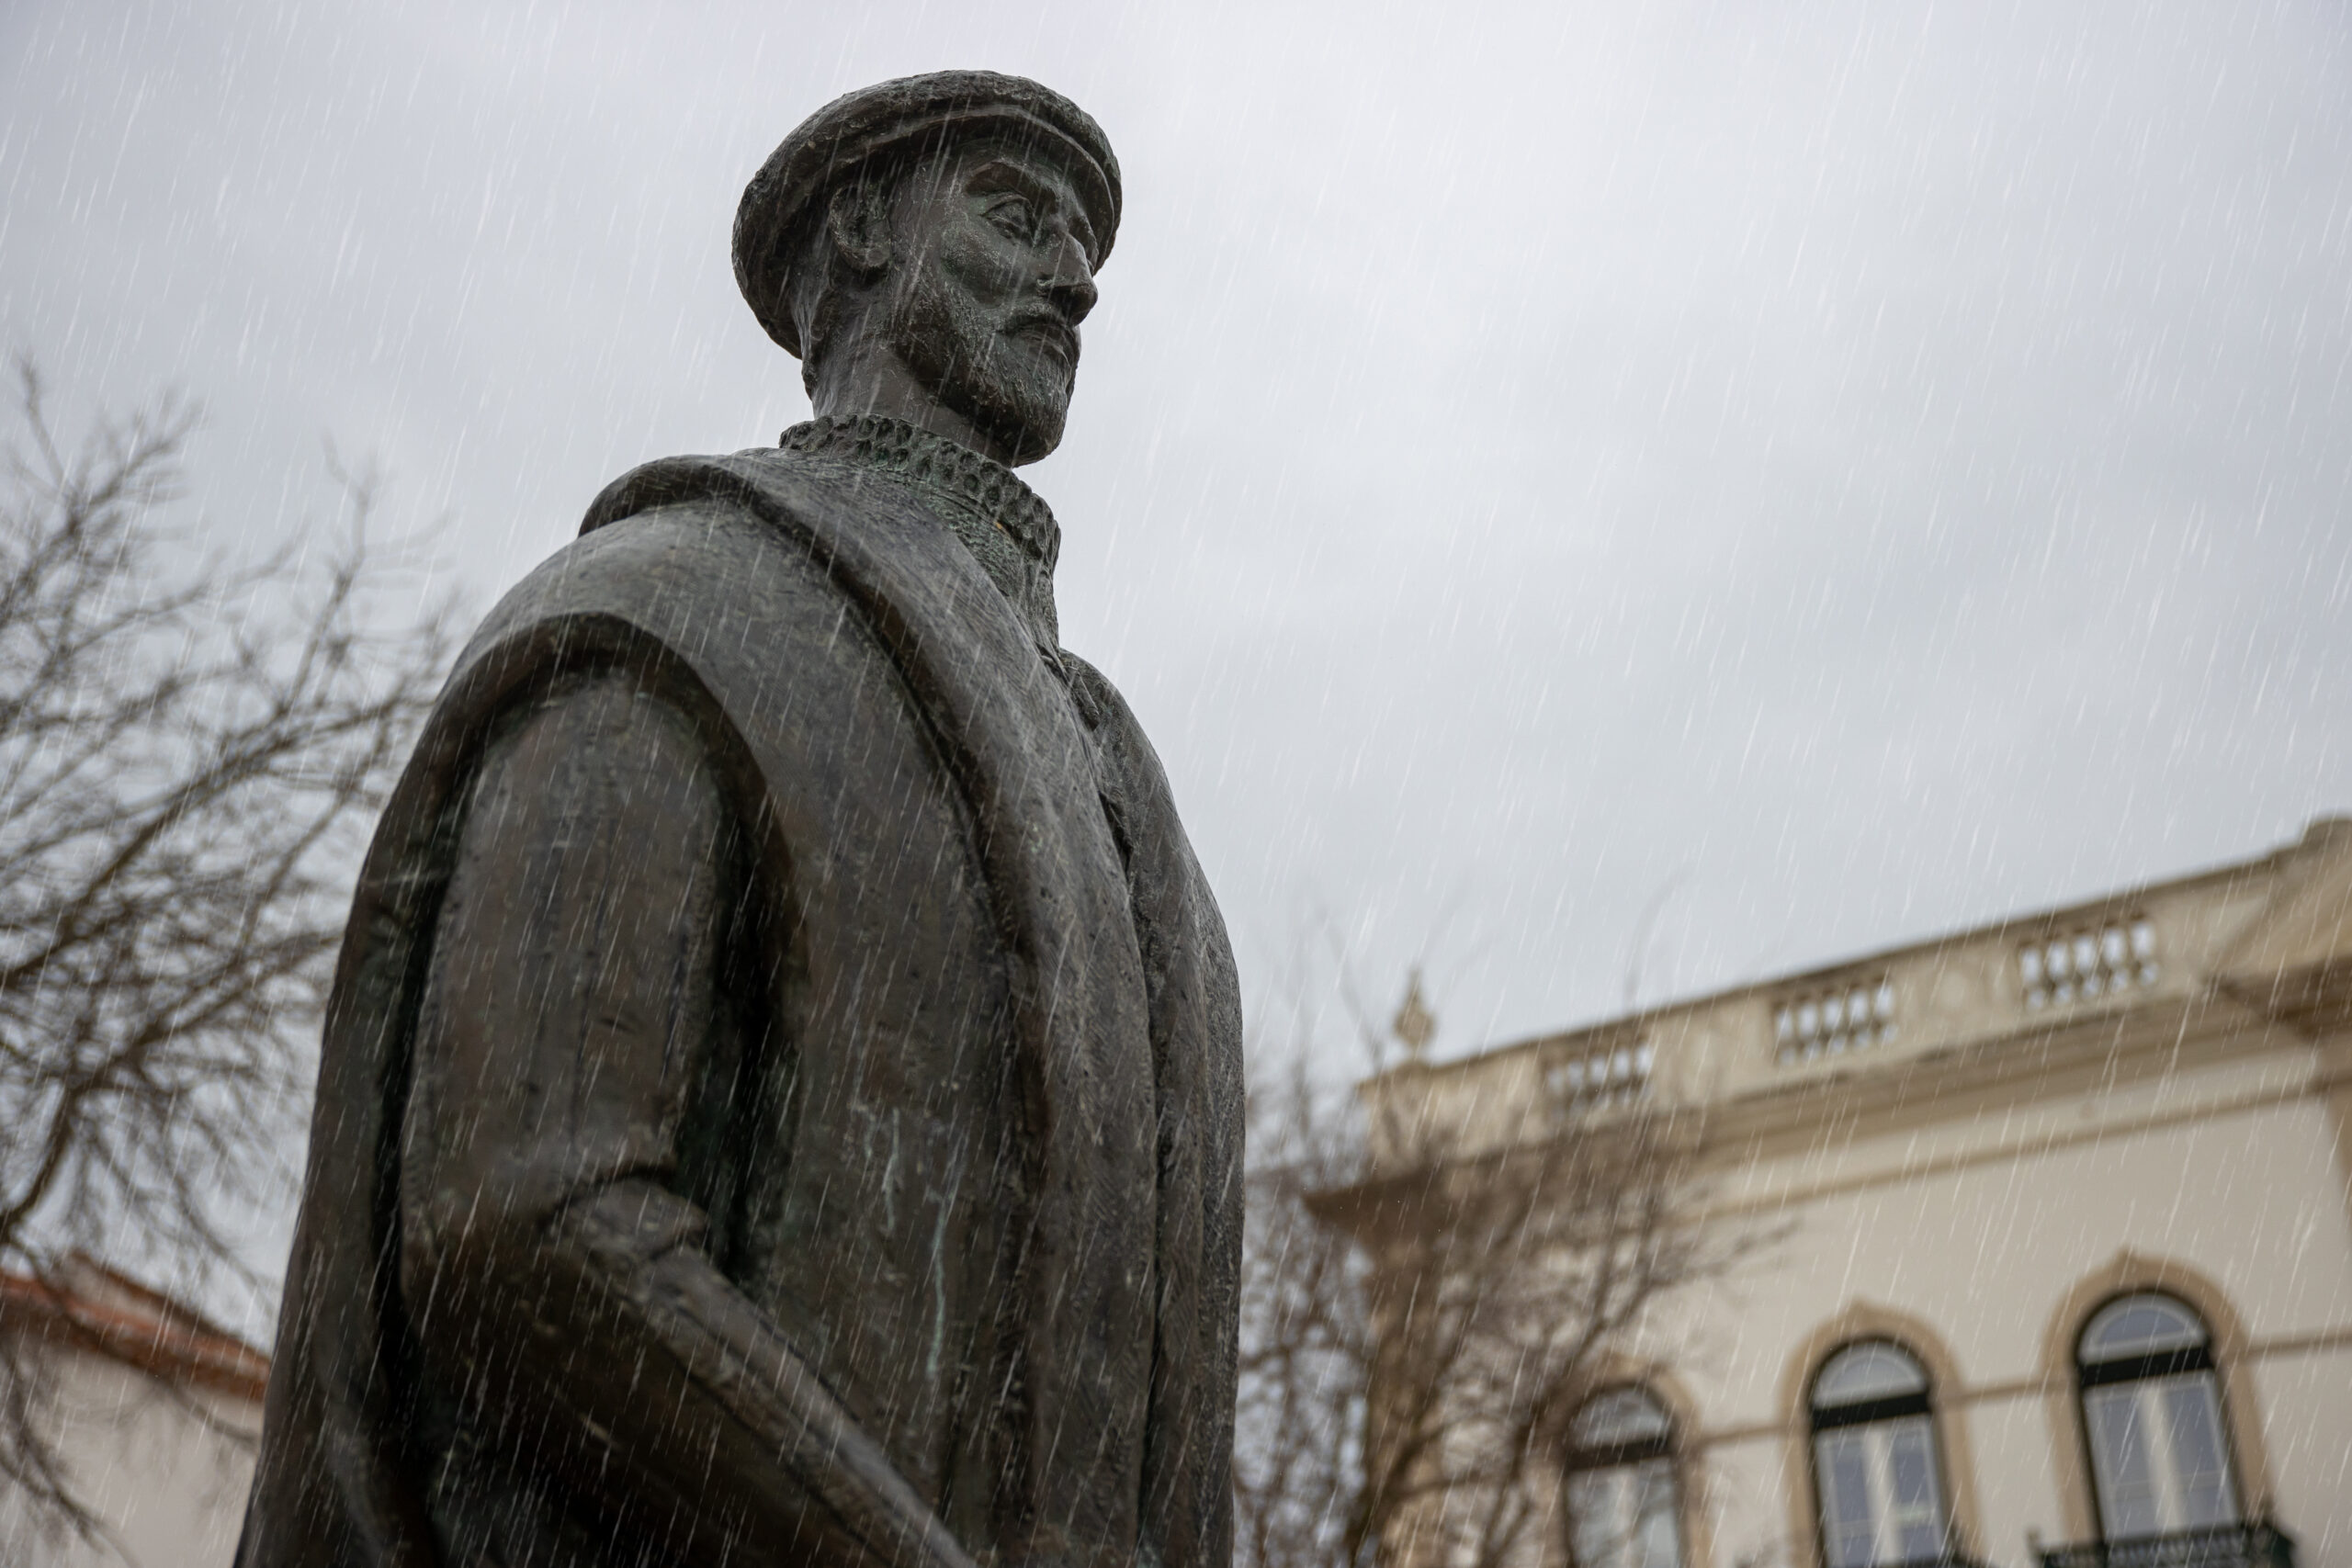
1010	531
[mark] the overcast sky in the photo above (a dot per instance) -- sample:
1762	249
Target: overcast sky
1857	468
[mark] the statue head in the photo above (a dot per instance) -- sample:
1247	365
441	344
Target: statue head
927	247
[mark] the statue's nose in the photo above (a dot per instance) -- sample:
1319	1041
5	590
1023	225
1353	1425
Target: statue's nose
1071	284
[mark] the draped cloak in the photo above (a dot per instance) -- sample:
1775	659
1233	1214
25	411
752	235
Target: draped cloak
954	1154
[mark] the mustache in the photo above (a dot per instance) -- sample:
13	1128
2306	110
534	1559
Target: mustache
1048	325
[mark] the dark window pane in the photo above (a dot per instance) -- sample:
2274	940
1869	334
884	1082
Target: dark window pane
1594	1528
2140	1325
2201	1466
2126	1486
1625	1517
1620	1416
1867	1372
1917	1508
1848	1526
1661	1525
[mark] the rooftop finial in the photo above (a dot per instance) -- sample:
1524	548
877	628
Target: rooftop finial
1414	1023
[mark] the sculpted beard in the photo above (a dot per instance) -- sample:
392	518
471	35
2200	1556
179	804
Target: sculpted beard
1002	371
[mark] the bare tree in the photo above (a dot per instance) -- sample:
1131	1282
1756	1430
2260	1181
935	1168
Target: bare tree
1422	1314
191	753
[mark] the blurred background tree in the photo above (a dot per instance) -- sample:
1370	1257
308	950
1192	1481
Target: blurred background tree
1421	1320
193	749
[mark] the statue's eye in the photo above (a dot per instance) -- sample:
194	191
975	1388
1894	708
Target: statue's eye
1015	216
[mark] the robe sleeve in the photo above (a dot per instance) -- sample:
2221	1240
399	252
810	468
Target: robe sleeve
553	1269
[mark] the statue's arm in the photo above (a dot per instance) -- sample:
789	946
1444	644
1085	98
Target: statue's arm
546	1249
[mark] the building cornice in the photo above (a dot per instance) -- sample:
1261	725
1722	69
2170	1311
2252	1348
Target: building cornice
2086	997
140	1328
2082	911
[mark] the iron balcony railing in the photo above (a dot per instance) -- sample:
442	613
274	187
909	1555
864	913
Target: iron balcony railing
1950	1557
2225	1546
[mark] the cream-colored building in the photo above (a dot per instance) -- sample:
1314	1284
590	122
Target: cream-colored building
2067	1271
155	1412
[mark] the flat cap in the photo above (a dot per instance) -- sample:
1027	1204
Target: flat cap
911	115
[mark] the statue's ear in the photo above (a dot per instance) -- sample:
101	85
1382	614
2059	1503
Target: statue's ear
858	220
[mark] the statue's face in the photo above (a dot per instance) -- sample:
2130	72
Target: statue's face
992	272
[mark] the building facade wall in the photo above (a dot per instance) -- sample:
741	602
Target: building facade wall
1988	1267
1992	1154
165	1470
152	1410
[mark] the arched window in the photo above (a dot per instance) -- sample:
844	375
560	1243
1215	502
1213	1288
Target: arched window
1624	1511
1875	1467
2151	1411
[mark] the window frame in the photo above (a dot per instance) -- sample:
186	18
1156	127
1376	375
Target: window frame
2147	1367
1885	1408
1579	1459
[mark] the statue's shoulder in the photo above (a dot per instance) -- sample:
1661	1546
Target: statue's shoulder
1113	721
754	479
681	547
1142	803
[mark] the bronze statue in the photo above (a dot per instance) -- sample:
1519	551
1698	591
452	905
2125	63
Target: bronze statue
781	1097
